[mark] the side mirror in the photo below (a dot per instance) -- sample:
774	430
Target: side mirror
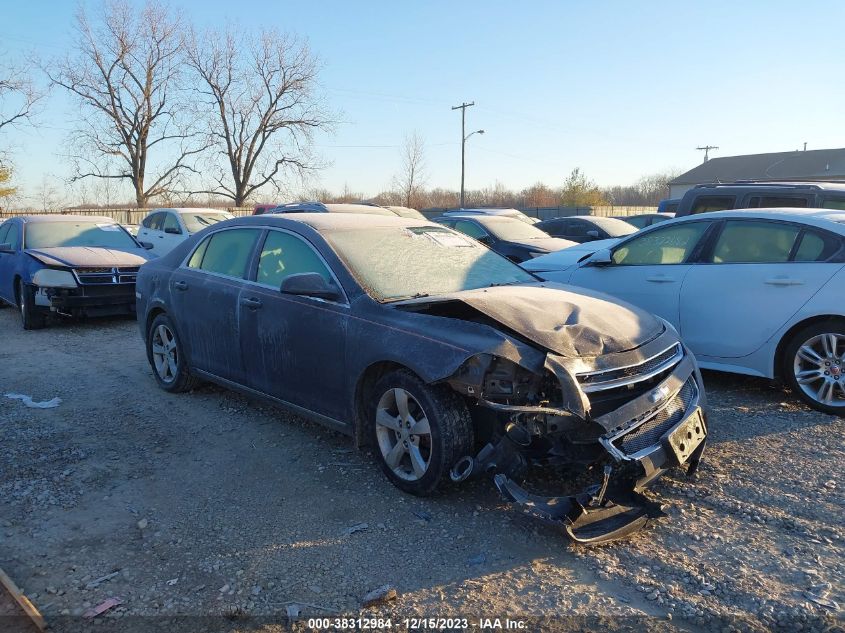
593	235
600	258
6	248
173	230
147	245
485	239
310	285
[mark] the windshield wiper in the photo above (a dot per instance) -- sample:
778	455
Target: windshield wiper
418	295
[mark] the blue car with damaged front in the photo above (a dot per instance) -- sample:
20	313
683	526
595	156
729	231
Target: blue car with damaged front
68	265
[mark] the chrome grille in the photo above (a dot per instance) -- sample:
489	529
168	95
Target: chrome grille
612	377
649	433
100	276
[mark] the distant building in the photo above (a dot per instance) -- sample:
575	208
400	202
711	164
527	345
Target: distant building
827	165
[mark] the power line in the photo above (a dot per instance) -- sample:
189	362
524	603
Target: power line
706	150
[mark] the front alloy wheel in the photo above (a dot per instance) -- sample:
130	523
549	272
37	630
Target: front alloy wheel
404	434
818	366
419	431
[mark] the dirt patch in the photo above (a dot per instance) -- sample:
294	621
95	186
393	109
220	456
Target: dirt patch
210	504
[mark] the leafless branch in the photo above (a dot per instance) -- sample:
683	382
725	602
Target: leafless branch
126	72
257	97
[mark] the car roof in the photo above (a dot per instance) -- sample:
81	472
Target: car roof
780	185
60	217
500	212
329	221
482	218
830	219
305	207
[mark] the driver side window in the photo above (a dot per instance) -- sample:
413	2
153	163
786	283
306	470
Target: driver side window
668	245
284	255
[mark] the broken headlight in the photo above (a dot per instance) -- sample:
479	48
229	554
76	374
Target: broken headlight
52	278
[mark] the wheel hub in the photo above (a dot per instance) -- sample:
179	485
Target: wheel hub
404	434
818	368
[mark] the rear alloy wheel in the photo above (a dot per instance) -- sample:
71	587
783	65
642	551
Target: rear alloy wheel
32	317
420	431
815	366
166	357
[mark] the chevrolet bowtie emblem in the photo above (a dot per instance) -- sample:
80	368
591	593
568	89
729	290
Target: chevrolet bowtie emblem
658	394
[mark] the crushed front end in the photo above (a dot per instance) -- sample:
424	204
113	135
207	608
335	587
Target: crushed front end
630	416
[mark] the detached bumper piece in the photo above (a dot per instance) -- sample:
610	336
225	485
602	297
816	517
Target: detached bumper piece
592	517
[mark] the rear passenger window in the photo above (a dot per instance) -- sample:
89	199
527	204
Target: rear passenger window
226	252
782	201
670	245
815	247
171	223
750	242
834	203
704	204
284	255
471	229
4	231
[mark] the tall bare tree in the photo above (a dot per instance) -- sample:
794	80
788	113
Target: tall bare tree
260	92
19	96
411	179
125	70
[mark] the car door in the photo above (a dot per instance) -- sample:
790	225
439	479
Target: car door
647	270
205	294
294	347
171	233
7	265
756	275
150	230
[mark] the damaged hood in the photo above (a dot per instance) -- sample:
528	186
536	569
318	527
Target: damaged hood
89	256
558	318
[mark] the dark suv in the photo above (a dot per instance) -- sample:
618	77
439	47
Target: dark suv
753	195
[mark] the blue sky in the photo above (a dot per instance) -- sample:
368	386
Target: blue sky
620	89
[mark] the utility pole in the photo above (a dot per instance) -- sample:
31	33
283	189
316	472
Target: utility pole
706	149
463	108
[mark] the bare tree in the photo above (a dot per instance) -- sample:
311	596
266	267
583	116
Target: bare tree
411	179
260	92
19	95
125	71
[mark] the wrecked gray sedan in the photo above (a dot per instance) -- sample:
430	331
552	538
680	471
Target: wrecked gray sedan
446	358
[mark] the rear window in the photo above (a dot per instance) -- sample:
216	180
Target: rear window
817	247
703	204
834	203
768	202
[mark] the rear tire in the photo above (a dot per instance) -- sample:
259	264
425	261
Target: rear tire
419	431
167	360
32	317
814	366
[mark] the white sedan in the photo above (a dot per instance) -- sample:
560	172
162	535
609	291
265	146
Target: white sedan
166	228
758	291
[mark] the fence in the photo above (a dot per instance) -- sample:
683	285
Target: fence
544	213
123	216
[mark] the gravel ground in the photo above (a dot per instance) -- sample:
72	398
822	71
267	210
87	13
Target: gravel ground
210	504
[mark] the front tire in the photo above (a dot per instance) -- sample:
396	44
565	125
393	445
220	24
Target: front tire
814	366
419	431
32	318
165	353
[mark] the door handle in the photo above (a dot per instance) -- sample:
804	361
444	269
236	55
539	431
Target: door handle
660	279
251	303
784	281
180	285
